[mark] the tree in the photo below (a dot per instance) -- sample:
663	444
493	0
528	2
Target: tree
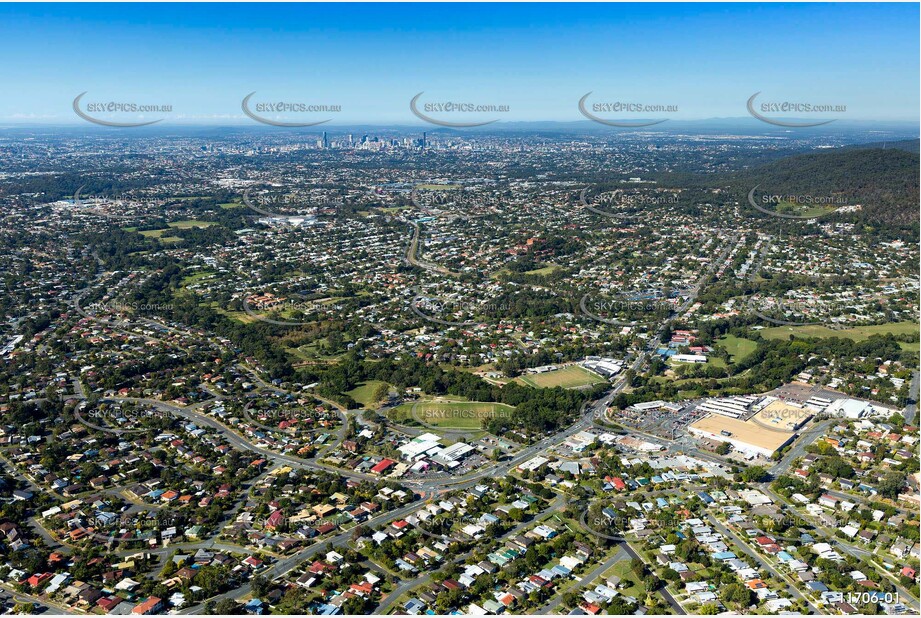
228	607
260	586
710	609
891	484
737	593
381	392
755	474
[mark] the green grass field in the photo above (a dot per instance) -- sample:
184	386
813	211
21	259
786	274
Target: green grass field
433	187
175	225
364	393
803	211
624	571
189	223
571	376
712	361
546	270
159	235
737	347
450	414
858	333
190	279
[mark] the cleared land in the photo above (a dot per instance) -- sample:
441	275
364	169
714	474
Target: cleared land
572	376
364	392
450	414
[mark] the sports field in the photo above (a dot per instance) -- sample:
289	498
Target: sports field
450	414
737	347
572	376
434	187
858	333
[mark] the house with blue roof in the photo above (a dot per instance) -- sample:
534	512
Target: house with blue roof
254	606
414	607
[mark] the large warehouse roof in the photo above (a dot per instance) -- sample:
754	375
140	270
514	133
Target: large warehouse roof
744	434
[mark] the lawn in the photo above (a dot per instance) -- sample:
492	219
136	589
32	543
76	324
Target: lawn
858	333
364	393
801	210
450	414
433	187
189	223
623	570
571	376
159	235
310	353
738	348
175	225
203	274
546	270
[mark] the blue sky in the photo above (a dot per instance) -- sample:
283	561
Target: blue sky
538	59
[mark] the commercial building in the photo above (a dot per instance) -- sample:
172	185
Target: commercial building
747	437
426	445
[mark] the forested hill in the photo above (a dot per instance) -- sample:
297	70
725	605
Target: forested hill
908	145
883	181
